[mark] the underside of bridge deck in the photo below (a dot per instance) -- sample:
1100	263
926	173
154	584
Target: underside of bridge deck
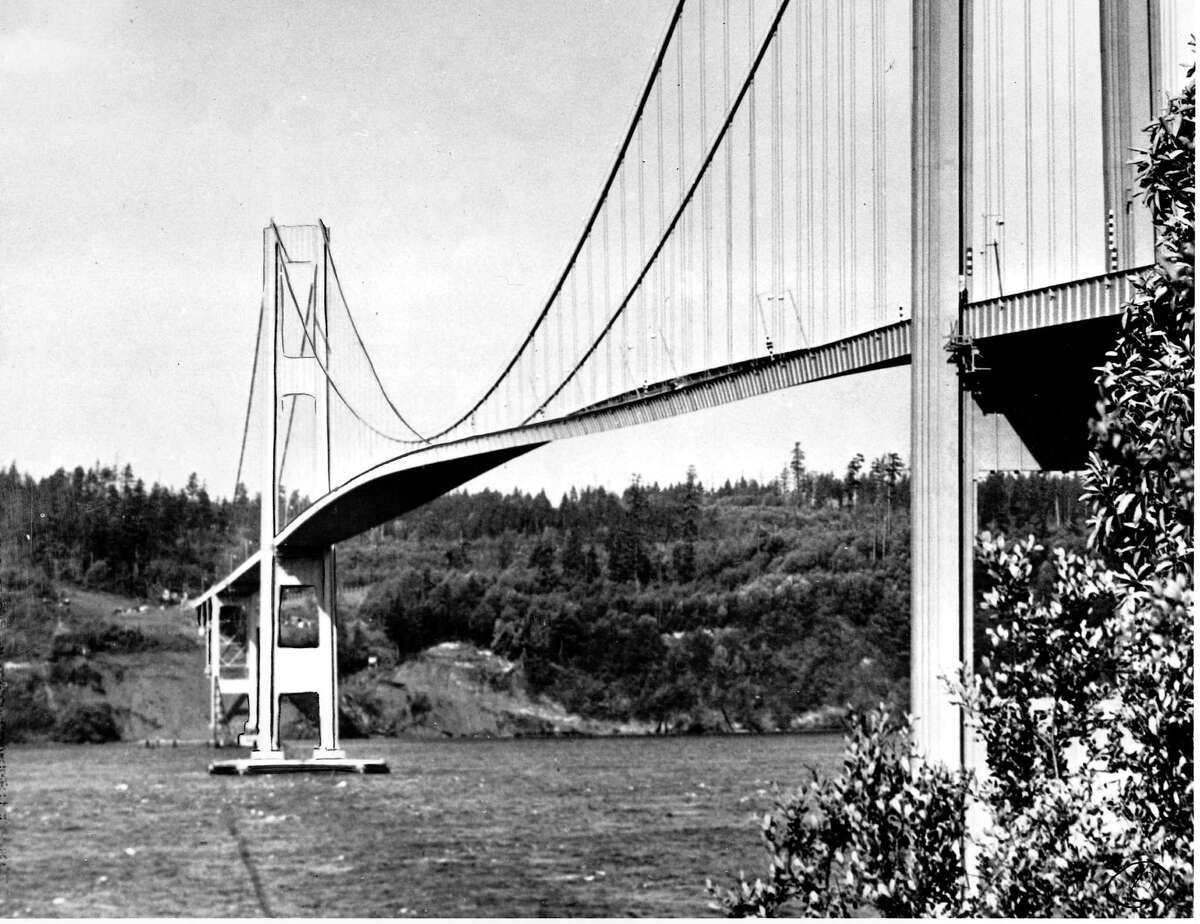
1043	384
378	500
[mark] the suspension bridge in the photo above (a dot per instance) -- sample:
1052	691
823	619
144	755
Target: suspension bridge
806	189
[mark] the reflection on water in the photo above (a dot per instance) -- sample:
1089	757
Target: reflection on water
595	827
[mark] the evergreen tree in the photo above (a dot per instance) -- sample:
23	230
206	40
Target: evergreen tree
854	478
799	473
572	557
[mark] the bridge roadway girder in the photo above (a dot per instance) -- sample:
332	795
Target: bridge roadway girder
1042	346
391	494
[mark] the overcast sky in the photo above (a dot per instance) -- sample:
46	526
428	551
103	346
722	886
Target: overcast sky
454	149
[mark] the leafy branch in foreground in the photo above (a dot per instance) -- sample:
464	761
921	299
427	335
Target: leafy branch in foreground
1085	696
886	832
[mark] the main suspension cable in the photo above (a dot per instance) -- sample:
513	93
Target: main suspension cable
361	345
587	230
250	400
679	212
317	358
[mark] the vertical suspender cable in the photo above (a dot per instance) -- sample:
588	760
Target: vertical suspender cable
799	115
705	201
781	219
984	44
559	325
825	172
882	196
685	293
508	399
681	249
1072	90
538	404
531	376
753	202
1000	135
989	150
877	187
608	371
842	172
690	301
884	124
543	338
575	333
518	389
851	184
1051	155
776	188
591	318
1028	137
258	339
644	351
728	208
809	199
624	279
660	266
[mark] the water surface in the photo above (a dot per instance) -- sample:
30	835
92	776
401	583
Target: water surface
575	827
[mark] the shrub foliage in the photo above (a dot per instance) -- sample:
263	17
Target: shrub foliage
1084	697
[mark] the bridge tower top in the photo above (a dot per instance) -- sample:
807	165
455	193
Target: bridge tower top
297	455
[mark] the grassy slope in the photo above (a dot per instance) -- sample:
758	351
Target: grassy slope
155	685
162	693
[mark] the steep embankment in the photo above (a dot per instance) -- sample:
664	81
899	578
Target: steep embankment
85	665
96	666
160	690
455	689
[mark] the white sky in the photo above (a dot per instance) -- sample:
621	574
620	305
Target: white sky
145	145
454	149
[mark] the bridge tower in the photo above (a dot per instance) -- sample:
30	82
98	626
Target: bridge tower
291	632
940	553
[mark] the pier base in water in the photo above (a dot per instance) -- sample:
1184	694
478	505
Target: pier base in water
251	765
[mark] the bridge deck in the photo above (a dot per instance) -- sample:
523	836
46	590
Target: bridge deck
406	482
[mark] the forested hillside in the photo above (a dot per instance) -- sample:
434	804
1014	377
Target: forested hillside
693	607
745	606
101	528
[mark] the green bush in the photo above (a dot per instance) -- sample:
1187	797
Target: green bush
25	709
97	575
26	626
87	723
75	672
1085	709
1085	694
32	580
886	833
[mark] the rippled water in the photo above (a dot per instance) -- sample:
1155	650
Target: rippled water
584	827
